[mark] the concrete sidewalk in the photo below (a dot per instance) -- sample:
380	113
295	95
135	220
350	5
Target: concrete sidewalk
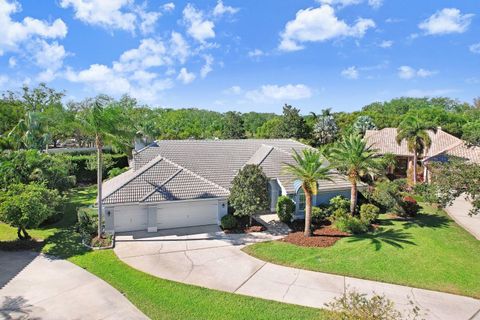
214	261
459	212
38	287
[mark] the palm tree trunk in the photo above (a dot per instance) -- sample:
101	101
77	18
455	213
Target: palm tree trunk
308	213
414	168
99	183
353	198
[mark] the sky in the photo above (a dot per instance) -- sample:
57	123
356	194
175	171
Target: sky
244	55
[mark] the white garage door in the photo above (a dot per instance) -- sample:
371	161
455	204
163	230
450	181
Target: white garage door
130	218
187	214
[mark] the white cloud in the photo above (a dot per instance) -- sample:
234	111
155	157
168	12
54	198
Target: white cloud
350	73
233	90
148	19
221	9
255	53
150	53
3	80
179	48
185	76
207	67
345	3
317	25
407	72
198	27
386	44
375	4
14	33
12	62
475	48
102	78
170	6
447	20
420	93
50	58
276	92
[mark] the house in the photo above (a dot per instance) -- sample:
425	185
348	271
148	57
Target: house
180	183
443	146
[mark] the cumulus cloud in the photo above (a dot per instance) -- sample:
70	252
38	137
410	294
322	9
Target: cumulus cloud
475	48
198	27
207	67
233	90
168	7
386	44
345	3
317	25
150	53
12	62
445	21
50	58
221	9
276	92
255	53
185	76
407	72
15	33
179	47
350	73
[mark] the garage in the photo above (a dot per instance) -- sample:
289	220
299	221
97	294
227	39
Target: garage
187	214
130	218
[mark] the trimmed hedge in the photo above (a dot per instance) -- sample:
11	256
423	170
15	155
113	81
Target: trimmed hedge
87	175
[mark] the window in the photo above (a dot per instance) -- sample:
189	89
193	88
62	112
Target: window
301	200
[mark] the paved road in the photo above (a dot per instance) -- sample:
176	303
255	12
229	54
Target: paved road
34	286
459	212
209	258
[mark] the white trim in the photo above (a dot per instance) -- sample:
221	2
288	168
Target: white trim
161	202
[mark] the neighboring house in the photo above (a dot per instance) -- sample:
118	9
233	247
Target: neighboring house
180	183
444	146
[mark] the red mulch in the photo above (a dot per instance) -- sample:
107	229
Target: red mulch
321	238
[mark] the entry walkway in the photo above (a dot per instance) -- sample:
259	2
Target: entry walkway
214	260
459	212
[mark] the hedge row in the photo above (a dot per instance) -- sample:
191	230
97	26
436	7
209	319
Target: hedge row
85	173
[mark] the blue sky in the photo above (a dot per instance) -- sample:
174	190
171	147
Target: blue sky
244	55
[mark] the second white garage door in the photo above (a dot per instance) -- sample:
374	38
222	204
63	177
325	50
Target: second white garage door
187	214
130	218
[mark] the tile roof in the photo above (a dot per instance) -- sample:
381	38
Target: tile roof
192	169
443	143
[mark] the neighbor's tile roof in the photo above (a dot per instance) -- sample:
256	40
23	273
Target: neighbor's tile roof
471	153
192	169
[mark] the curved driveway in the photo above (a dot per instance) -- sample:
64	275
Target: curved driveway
35	286
207	257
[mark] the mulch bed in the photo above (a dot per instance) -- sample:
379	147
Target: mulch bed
323	237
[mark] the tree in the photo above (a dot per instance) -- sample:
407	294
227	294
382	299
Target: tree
249	191
270	129
26	206
309	168
293	125
416	135
325	129
100	120
233	126
364	123
355	159
29	132
471	133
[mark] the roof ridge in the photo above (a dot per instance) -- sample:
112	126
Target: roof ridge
195	174
161	185
142	170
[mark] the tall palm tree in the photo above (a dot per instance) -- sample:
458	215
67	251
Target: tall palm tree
100	120
415	133
309	168
353	157
30	132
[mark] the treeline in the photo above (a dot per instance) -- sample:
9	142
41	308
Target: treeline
38	119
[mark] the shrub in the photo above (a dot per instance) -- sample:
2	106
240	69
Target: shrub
410	206
351	224
402	184
387	196
85	167
339	202
285	208
87	222
228	222
369	213
320	213
116	172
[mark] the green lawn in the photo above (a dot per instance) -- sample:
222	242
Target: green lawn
430	252
157	298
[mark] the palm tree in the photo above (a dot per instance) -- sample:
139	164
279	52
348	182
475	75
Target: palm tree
309	168
29	132
415	133
354	158
100	120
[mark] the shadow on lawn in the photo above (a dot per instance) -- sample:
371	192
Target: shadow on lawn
427	220
393	237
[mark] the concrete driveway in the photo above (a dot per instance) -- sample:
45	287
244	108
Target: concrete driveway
207	257
459	211
35	286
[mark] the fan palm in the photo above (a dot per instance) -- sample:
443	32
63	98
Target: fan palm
353	157
415	133
309	168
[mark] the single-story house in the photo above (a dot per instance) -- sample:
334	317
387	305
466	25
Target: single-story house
180	183
444	146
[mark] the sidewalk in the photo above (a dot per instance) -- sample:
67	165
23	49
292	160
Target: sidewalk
459	212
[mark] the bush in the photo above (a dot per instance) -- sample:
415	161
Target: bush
116	172
369	213
351	224
85	168
410	206
387	196
285	208
339	202
402	184
87	222
228	222
320	213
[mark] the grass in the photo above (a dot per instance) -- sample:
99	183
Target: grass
430	251
155	297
